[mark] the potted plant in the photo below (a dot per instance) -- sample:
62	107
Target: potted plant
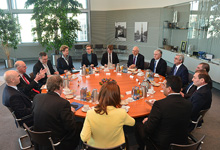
9	35
55	25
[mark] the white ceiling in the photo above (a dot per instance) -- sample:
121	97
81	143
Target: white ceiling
104	5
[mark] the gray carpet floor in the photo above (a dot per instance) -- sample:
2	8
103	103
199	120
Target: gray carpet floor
9	134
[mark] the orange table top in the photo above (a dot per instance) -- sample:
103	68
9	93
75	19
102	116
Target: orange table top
138	108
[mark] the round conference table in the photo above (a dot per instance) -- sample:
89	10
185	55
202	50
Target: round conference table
138	108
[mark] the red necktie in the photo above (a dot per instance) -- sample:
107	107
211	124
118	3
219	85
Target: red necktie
29	83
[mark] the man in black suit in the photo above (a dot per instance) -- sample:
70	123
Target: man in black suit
136	60
191	88
202	97
14	99
27	85
53	113
158	64
64	63
168	120
43	66
179	69
109	58
89	59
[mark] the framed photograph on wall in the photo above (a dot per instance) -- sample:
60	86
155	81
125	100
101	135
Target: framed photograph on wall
120	31
140	31
183	46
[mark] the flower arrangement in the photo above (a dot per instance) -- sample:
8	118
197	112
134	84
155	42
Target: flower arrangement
104	80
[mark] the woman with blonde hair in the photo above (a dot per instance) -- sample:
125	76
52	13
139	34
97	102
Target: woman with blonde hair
103	126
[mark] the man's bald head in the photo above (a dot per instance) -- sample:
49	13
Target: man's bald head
12	78
135	50
20	66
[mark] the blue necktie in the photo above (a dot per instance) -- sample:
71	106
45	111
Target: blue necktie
174	73
155	62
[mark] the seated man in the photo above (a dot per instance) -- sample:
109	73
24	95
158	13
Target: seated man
14	99
89	58
136	60
53	113
43	64
168	120
202	98
179	69
158	64
109	57
190	89
27	85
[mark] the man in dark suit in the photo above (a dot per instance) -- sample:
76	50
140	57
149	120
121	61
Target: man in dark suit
53	113
179	69
191	88
136	60
158	64
27	85
89	59
14	99
109	57
64	63
168	120
202	97
43	66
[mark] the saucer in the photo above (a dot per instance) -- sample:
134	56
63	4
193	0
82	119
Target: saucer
69	96
126	108
85	110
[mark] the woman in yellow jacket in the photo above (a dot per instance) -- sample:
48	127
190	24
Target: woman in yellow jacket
103	126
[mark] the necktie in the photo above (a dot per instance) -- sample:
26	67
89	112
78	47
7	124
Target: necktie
174	73
134	59
25	79
110	58
48	70
155	62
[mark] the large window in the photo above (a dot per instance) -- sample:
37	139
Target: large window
3	4
24	18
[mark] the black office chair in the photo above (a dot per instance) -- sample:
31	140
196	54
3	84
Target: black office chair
119	147
41	138
194	146
146	65
19	125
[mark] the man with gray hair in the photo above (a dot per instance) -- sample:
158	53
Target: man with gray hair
16	101
136	60
179	69
52	112
27	85
158	64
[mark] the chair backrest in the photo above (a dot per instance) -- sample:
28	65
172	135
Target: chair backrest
41	138
194	146
146	65
119	147
168	70
17	120
122	47
99	46
190	77
78	46
31	75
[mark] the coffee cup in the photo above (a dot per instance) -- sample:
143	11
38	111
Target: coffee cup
86	107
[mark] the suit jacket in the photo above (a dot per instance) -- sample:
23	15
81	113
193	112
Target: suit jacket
53	113
182	72
201	100
105	58
161	66
168	121
86	62
139	62
62	65
38	66
18	102
27	88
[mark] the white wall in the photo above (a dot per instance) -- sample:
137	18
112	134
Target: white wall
104	5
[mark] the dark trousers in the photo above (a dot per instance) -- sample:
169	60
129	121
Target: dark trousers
142	138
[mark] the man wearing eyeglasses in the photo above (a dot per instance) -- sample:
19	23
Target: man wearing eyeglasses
89	59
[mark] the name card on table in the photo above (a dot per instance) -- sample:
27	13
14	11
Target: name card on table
131	76
108	74
97	74
119	74
87	77
128	92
